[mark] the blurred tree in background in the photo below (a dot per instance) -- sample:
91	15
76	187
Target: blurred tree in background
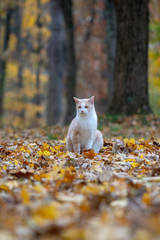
130	94
154	56
56	57
52	50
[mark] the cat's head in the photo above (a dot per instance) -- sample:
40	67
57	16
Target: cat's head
84	106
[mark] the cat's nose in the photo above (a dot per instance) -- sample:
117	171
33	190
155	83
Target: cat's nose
82	112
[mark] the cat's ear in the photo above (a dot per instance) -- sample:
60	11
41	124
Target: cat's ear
76	100
91	100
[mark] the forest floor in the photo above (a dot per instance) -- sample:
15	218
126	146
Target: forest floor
49	193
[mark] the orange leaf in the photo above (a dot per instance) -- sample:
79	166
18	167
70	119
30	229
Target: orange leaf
89	153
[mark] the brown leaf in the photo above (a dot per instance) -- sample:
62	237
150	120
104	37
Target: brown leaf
22	173
89	153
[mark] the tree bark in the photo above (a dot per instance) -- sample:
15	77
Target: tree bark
70	60
18	25
130	93
111	46
3	57
55	65
39	62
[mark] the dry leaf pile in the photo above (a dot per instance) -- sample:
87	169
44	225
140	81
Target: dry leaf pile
49	193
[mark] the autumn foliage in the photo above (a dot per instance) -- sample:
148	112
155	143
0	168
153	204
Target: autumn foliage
47	192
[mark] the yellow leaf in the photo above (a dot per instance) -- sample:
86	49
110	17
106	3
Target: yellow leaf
141	156
132	140
146	198
57	147
4	187
46	212
31	165
125	140
140	147
46	153
62	154
112	189
130	160
148	162
131	143
24	149
25	195
63	141
134	164
91	189
39	153
76	233
16	162
52	149
46	146
4	167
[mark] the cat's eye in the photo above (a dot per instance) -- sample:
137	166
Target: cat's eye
86	106
79	106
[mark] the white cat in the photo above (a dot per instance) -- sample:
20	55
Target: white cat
83	133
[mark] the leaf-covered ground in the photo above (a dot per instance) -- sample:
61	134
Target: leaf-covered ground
49	193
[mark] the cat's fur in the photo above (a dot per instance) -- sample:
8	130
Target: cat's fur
83	133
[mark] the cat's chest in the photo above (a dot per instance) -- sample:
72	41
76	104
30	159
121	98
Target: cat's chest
87	127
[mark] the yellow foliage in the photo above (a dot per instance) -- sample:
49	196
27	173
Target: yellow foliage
40	153
92	189
140	147
4	187
44	78
28	75
16	162
130	160
46	212
12	42
45	1
29	92
25	195
63	141
46	146
146	198
130	143
12	70
24	149
156	81
29	21
4	167
76	233
45	32
46	153
134	164
29	15
57	147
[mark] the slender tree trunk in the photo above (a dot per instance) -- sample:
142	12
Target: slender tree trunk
130	93
18	23
3	58
39	62
111	46
70	61
55	65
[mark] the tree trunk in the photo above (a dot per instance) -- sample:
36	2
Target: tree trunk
55	65
111	46
18	23
70	61
39	62
130	93
3	58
